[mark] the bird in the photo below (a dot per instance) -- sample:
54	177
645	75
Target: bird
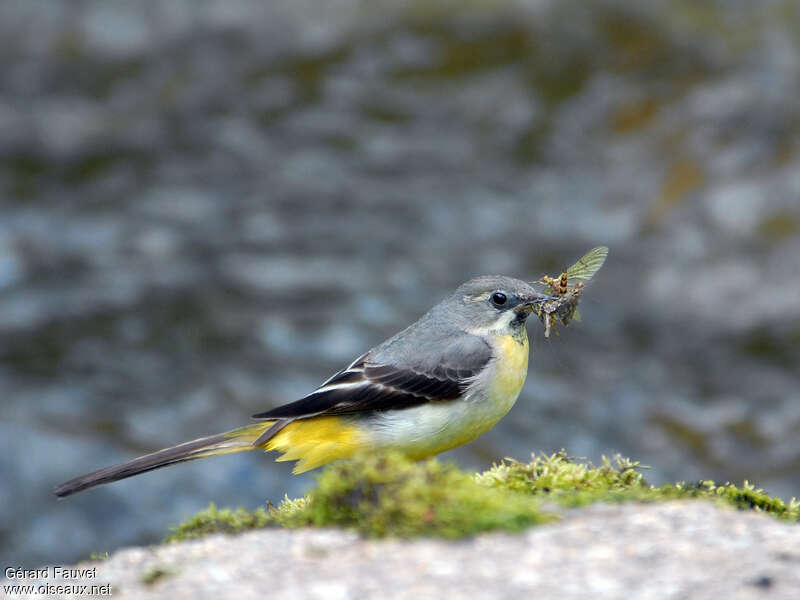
437	384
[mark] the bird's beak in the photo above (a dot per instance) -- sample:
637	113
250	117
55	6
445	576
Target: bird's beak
533	301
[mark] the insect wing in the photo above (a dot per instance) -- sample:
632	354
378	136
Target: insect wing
587	265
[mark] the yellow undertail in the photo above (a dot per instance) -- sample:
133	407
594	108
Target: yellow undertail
312	442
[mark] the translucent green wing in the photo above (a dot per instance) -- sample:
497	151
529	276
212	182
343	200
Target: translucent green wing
585	269
587	265
579	273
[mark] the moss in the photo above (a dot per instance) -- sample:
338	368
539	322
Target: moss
383	495
213	520
572	483
155	574
566	480
98	556
747	497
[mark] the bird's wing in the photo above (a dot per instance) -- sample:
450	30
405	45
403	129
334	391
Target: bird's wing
369	385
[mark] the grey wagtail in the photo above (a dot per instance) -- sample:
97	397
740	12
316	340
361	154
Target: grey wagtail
437	384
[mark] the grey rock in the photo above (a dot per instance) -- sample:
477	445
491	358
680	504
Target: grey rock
675	550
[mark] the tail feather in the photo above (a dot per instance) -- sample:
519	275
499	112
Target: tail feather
237	440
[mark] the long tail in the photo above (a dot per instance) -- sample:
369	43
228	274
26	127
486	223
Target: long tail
250	437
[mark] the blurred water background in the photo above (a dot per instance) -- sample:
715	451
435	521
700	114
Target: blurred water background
209	207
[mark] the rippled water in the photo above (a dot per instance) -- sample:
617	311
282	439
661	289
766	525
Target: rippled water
208	209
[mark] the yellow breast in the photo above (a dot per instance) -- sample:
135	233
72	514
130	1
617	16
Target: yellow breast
512	367
444	426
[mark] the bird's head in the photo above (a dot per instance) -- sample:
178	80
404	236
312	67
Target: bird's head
495	303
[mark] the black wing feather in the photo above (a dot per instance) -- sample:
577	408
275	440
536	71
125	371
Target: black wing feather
366	386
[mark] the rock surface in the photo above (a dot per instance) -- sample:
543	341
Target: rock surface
689	550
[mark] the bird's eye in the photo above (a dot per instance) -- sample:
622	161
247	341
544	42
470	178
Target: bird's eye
498	298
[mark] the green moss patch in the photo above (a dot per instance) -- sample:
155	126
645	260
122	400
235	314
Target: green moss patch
570	482
390	495
98	556
155	575
382	495
213	520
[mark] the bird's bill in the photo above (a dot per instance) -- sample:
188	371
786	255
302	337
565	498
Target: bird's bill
535	301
